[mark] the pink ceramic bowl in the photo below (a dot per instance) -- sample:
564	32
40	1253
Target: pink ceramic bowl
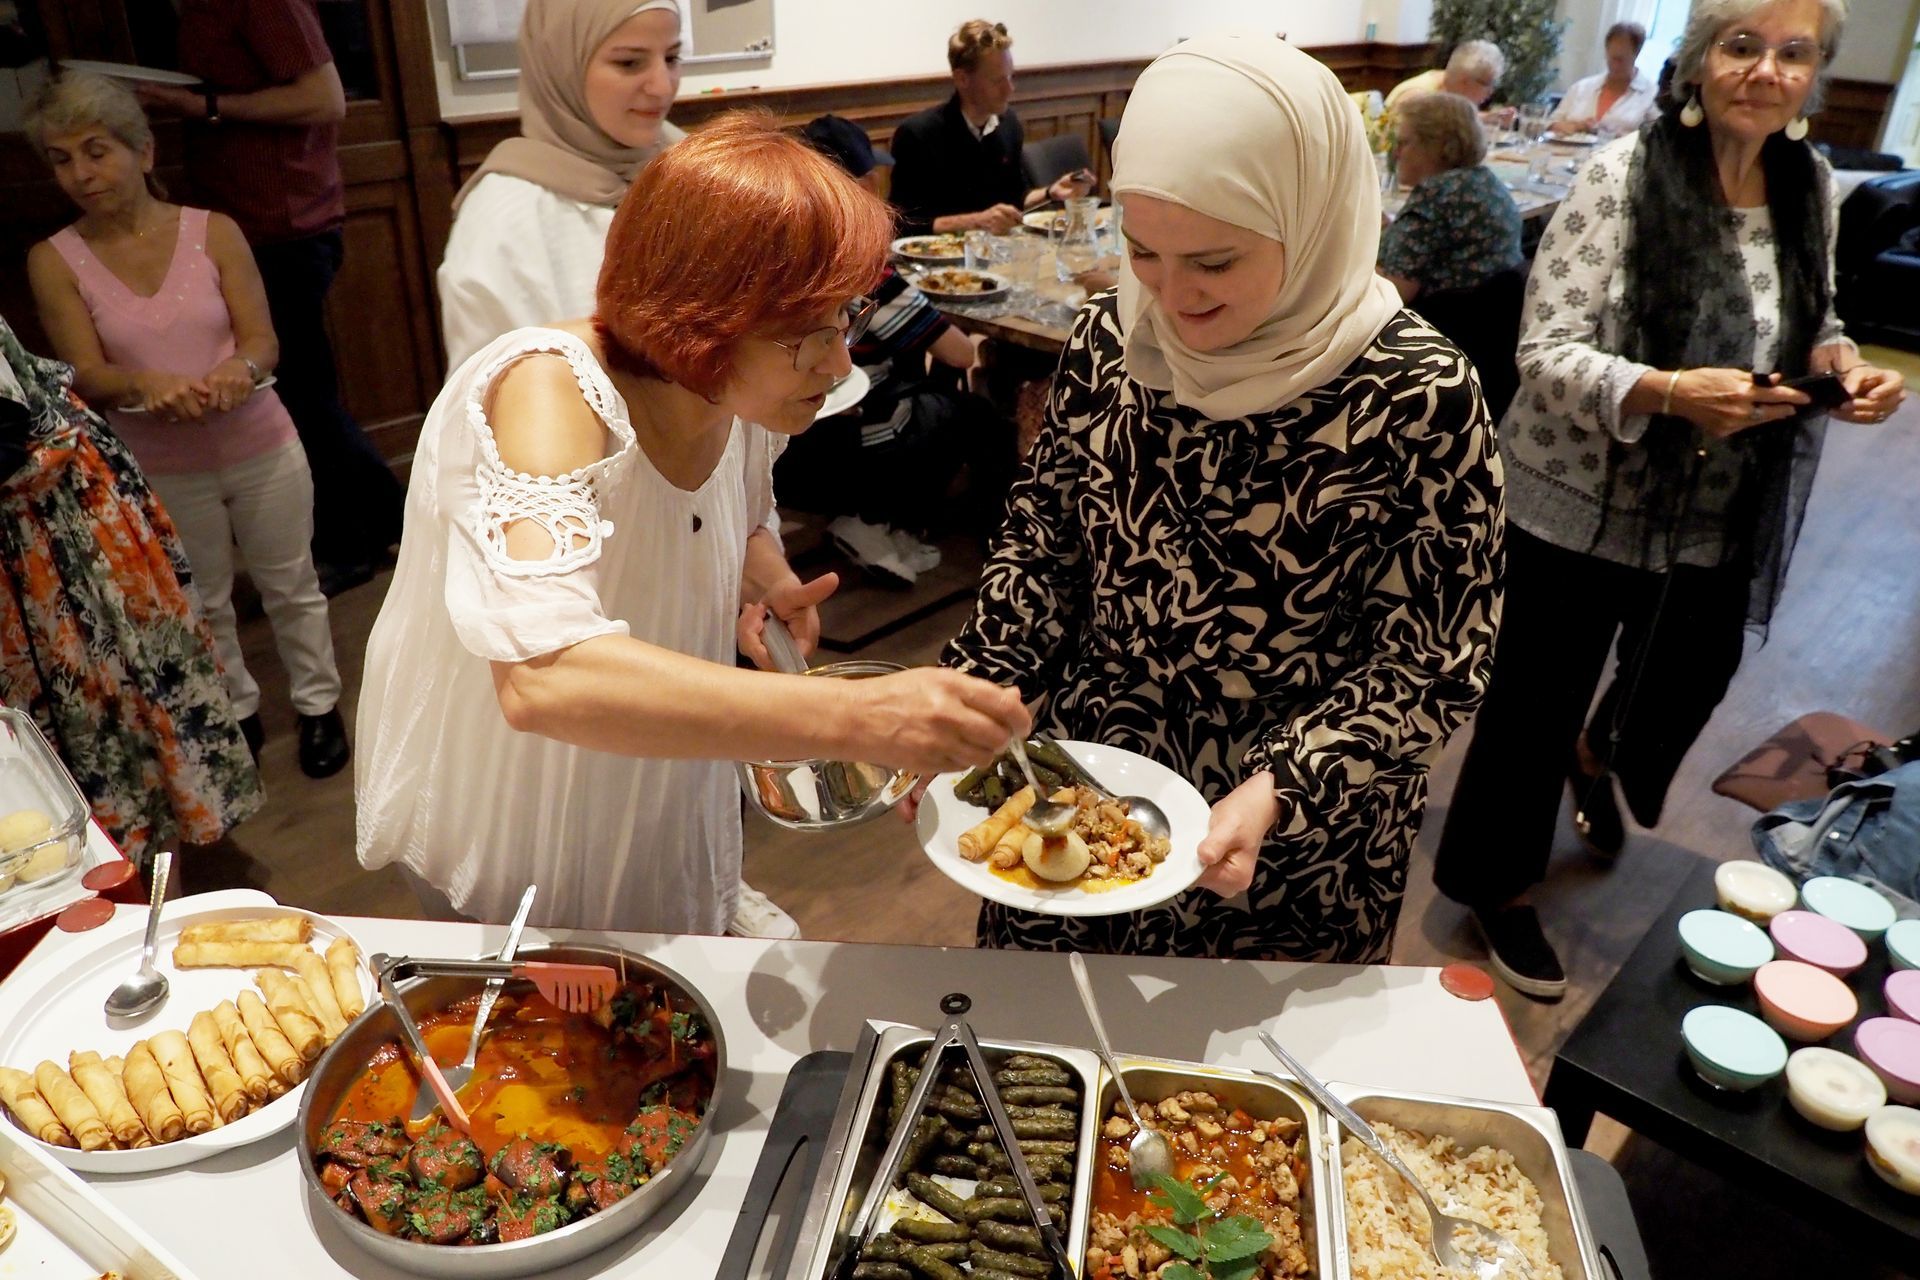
1891	1046
1801	1002
1903	994
1815	940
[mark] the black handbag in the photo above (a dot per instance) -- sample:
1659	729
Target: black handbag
16	440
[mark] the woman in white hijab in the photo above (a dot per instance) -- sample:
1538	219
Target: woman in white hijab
1258	538
597	78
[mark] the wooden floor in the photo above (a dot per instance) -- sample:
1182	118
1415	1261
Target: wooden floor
1844	640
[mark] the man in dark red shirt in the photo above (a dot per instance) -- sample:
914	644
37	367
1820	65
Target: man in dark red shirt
262	137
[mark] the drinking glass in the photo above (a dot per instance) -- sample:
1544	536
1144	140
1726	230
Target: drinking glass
980	250
1076	239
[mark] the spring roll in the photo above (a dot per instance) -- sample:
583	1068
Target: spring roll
117	1067
70	1104
18	1091
216	1068
979	842
108	1095
282	928
317	987
1006	852
343	966
291	1013
287	1064
147	1089
235	955
175	1056
256	1077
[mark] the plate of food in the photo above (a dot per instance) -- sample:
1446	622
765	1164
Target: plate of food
1046	221
846	393
931	249
1574	139
959	284
256	993
970	827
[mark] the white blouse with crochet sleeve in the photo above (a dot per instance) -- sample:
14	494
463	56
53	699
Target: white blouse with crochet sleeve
479	810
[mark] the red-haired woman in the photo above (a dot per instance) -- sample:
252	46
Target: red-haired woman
550	695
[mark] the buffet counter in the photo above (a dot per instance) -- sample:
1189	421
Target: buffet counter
245	1212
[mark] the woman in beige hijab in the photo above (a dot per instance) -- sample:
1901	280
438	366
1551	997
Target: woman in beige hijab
1258	538
597	78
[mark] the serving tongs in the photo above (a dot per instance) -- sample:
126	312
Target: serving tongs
953	1033
573	988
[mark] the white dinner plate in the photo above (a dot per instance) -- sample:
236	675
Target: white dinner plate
261	385
129	71
905	247
1041	220
1574	139
945	817
48	1010
926	283
846	393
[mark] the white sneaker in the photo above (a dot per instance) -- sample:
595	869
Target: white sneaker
921	557
871	547
756	916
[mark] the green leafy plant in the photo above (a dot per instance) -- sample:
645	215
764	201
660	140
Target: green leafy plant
1526	31
1210	1247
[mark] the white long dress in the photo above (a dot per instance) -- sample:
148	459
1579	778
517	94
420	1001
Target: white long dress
518	255
444	786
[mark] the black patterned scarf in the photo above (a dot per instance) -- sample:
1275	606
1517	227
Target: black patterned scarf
1688	305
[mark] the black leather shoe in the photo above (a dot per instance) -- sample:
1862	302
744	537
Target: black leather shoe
1596	814
323	745
1520	952
255	733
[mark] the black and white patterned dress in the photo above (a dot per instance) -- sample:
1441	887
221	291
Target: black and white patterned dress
1313	591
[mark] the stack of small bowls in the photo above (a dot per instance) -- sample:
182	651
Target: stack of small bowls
1799	947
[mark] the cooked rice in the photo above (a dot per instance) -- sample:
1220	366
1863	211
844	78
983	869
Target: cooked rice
1387	1227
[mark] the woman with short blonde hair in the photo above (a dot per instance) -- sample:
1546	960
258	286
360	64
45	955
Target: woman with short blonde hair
1459	228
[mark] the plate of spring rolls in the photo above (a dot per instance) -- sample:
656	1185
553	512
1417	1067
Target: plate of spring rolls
1109	870
256	993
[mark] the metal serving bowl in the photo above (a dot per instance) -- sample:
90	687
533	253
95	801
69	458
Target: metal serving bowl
820	795
343	1062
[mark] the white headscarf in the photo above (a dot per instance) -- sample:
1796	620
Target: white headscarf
1249	130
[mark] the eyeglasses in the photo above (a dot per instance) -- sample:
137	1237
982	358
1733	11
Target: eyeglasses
1796	59
816	348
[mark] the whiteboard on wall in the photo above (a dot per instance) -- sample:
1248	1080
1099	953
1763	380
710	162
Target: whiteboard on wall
484	32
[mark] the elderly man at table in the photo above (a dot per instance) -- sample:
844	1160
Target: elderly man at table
957	165
1615	101
886	469
1472	71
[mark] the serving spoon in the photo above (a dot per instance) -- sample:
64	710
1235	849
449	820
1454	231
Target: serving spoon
1506	1262
1148	1155
148	987
457	1076
1046	816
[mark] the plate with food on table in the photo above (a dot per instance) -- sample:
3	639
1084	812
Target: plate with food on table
256	992
961	284
971	826
942	248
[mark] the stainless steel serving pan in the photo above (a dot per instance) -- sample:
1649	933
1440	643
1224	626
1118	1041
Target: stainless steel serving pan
861	1137
1152	1079
1530	1134
348	1056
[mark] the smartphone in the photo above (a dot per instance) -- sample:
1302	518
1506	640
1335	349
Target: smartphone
1824	389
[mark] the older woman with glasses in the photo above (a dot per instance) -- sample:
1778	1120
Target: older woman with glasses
1658	457
550	692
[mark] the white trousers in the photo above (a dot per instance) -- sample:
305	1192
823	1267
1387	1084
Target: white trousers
265	505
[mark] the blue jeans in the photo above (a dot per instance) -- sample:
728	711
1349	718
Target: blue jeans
1867	831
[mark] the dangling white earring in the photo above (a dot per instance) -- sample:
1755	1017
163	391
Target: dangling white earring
1692	115
1797	129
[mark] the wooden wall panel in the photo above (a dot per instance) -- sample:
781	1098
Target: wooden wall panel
1854	113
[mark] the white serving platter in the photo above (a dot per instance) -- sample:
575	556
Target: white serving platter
54	1004
130	71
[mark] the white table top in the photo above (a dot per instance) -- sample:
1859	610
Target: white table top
245	1213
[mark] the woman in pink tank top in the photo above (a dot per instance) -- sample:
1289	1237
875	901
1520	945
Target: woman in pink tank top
161	312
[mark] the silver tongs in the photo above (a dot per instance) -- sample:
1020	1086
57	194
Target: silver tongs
955	1032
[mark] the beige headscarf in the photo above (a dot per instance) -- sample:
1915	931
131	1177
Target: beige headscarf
560	147
1249	130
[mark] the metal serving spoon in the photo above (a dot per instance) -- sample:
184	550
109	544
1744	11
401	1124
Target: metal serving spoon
1046	817
1151	817
1506	1262
457	1076
148	987
1148	1154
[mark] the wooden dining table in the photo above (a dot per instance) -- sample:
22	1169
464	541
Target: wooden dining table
1037	310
